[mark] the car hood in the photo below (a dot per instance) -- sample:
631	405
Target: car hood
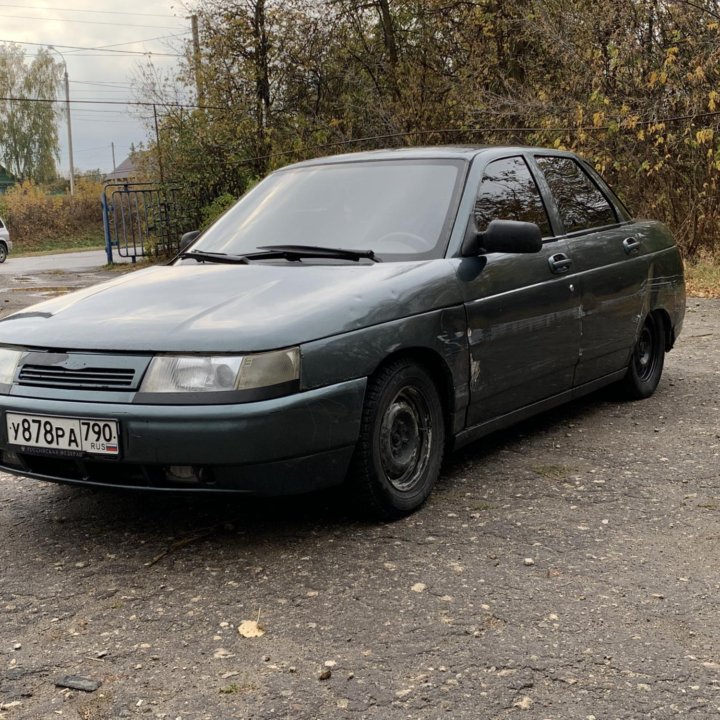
229	308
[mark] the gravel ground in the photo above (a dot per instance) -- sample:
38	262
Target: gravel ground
566	568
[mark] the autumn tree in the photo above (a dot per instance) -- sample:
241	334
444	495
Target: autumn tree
28	131
635	88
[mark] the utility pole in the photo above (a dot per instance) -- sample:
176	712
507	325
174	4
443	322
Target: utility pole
157	144
69	121
112	146
196	60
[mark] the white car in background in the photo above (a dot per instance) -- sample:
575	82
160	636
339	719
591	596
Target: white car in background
5	242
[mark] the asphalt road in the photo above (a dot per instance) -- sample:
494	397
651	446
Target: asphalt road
69	262
564	569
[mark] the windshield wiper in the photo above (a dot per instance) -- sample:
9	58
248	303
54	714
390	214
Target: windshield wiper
200	255
296	252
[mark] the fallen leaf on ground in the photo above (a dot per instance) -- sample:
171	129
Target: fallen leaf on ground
251	629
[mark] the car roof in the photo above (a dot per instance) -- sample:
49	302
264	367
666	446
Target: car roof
439	152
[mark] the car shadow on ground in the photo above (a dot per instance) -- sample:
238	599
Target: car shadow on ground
67	514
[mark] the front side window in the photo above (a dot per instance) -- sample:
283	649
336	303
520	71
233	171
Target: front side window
508	192
580	203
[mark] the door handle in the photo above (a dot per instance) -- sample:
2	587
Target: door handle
559	263
631	245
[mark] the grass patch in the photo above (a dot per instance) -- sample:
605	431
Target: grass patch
702	278
94	240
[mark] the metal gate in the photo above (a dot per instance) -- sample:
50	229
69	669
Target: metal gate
145	219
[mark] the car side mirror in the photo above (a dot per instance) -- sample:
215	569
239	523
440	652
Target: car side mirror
188	239
504	236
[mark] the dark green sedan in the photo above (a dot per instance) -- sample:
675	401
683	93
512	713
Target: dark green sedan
349	320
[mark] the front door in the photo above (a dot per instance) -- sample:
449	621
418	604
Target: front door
523	311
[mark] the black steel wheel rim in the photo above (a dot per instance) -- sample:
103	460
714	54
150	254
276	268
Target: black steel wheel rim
645	356
406	438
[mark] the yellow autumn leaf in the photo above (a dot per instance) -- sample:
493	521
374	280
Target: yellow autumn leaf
250	629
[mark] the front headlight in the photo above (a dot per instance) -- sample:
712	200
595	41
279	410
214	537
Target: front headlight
221	373
9	360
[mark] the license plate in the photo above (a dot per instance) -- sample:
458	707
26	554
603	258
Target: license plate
62	434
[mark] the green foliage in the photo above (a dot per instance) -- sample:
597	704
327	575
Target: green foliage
28	130
38	220
210	213
633	87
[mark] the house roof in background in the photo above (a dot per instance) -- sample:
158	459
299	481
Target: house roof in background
126	170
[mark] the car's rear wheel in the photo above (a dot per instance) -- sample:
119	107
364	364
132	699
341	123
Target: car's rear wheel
402	438
3	252
647	360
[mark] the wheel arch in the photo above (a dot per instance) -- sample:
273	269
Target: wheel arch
664	316
438	369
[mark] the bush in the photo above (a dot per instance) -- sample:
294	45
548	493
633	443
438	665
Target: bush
35	218
210	213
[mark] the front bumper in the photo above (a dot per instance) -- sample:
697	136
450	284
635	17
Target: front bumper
286	445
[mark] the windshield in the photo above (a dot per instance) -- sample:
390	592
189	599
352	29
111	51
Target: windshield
402	210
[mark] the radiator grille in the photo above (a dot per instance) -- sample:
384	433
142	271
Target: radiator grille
88	378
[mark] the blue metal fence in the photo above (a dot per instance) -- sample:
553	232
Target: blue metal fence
145	219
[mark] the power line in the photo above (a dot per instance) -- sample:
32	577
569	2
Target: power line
126	56
104	112
135	42
111	84
100	91
100	12
118	102
569	128
475	131
91	22
77	47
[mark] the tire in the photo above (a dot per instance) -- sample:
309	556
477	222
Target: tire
3	252
402	439
647	360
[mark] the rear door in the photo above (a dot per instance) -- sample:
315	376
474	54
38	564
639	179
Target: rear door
522	309
610	260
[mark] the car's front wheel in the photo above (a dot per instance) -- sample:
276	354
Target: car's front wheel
3	252
402	438
647	360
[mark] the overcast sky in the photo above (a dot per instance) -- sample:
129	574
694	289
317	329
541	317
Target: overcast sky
129	26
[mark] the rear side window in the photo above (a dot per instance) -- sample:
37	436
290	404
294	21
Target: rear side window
580	203
508	192
1	225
